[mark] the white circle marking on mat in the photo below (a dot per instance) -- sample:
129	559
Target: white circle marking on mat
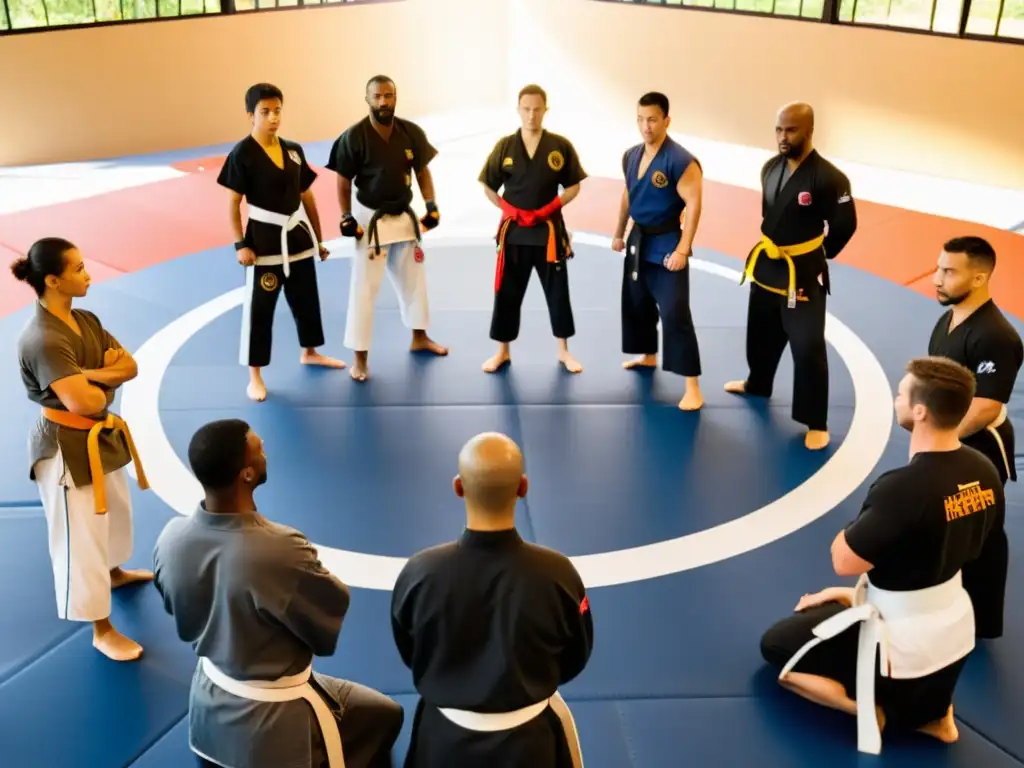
851	464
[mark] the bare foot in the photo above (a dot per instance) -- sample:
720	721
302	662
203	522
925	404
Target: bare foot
256	390
816	439
572	365
736	387
693	400
120	577
498	361
647	361
423	343
315	358
113	644
359	371
944	730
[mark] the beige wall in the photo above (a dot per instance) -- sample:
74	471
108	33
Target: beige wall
109	91
915	102
940	106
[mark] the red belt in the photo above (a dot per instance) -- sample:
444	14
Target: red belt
509	215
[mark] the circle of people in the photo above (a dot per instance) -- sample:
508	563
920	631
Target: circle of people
491	626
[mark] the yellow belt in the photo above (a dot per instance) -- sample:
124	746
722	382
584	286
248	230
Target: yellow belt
94	427
788	252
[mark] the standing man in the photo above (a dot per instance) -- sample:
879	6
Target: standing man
256	604
531	164
920	525
976	334
491	626
809	217
379	156
663	194
280	239
71	367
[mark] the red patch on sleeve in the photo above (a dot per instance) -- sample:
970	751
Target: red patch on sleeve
585	605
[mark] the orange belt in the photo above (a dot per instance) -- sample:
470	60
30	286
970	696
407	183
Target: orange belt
74	421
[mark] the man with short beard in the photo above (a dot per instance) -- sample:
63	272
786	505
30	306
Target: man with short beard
378	156
974	333
808	218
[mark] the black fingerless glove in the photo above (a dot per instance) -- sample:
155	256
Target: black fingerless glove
350	227
433	218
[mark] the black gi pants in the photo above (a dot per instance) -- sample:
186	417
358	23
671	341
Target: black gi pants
985	578
658	291
771	325
300	291
908	704
520	262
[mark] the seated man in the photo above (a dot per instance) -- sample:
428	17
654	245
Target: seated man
919	525
257	605
490	626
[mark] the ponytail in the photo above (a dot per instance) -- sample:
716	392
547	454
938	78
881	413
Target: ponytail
44	258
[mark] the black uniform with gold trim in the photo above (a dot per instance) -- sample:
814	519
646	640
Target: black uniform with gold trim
531	184
249	171
987	344
808	218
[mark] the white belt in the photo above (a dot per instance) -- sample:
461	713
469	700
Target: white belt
997	422
502	721
287	224
870	604
290	688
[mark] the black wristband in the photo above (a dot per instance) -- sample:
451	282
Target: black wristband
240	244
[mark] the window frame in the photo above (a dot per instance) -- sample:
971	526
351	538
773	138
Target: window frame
830	15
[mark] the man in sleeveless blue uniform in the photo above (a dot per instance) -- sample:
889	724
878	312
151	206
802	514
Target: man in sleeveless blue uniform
662	195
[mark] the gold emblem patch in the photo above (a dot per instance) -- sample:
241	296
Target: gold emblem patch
506	162
555	160
408	154
268	281
659	179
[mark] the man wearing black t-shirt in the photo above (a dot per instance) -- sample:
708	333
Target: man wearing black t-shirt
974	333
918	527
377	158
280	239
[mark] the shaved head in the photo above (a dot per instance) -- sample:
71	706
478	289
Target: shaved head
794	126
491	473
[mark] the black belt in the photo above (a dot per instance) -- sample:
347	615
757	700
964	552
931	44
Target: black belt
389	209
636	237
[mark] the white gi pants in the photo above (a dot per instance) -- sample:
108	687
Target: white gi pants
84	546
397	240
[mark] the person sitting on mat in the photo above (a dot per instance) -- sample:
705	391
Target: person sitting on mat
255	602
489	693
918	527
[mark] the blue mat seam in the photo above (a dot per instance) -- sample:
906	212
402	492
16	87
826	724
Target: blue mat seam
35	658
159	737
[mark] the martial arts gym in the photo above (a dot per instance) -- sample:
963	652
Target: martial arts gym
512	383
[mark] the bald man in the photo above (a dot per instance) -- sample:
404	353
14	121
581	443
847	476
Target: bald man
491	626
808	218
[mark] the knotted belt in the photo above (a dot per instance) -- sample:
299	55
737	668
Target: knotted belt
94	427
636	238
389	209
774	252
510	215
287	224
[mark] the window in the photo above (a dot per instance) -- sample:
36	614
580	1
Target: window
988	19
18	15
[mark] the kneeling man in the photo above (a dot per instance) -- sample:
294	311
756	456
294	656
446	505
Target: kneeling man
918	527
254	601
491	626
